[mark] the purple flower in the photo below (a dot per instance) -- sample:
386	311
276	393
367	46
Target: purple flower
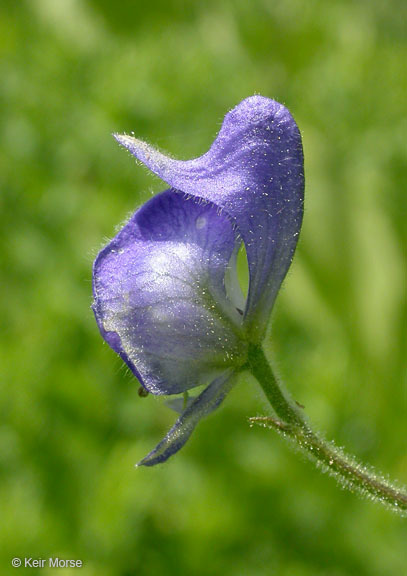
166	295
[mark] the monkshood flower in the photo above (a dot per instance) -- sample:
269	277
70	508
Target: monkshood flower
166	294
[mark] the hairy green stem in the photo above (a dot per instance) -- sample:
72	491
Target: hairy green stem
292	424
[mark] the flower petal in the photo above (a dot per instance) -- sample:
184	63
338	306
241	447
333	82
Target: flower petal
254	171
160	299
201	406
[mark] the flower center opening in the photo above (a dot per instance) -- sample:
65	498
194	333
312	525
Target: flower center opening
242	267
237	279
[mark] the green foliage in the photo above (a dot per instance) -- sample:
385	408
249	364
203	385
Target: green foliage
235	501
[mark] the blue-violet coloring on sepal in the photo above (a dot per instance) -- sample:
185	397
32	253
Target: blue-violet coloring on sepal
166	296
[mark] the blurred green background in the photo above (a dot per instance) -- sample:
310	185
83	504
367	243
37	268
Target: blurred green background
236	501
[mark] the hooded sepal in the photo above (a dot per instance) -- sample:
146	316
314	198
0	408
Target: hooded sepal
254	173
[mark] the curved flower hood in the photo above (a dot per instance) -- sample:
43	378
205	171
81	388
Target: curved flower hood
161	297
254	172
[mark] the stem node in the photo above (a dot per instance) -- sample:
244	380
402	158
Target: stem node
291	422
